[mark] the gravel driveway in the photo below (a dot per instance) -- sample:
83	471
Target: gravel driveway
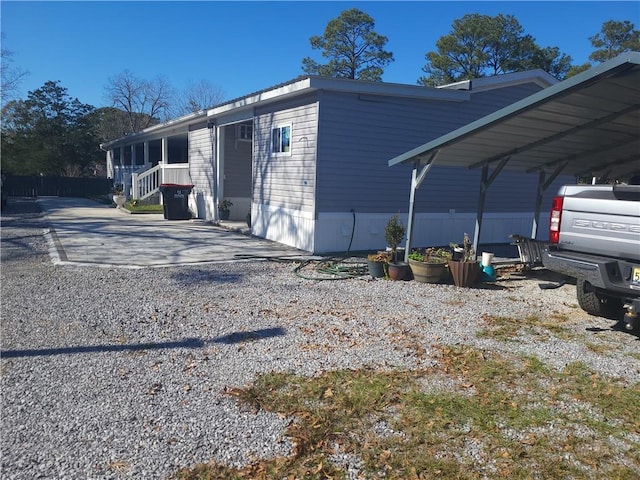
116	373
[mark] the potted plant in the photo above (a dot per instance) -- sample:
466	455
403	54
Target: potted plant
393	234
118	196
224	209
378	264
430	265
464	270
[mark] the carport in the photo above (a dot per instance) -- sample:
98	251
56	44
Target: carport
587	126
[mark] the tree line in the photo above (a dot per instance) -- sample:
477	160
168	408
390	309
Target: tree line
52	133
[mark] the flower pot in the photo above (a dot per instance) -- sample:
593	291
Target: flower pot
457	254
399	254
428	272
487	258
398	270
465	274
119	200
224	214
376	269
487	273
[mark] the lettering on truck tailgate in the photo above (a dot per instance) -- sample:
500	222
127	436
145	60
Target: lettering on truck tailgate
597	225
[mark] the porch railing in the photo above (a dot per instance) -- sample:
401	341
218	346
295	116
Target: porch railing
147	182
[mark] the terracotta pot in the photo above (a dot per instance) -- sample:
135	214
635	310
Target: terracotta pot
428	272
465	274
398	270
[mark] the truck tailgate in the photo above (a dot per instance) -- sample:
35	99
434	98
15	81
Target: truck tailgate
606	223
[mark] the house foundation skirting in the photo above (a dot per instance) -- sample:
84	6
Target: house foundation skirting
283	225
201	204
335	232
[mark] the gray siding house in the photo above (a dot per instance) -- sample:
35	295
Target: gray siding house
309	160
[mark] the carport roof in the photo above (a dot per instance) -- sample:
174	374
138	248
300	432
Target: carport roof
590	123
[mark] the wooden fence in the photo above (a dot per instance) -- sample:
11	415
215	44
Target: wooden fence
39	186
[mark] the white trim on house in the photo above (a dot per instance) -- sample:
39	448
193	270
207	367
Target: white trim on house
451	93
278	151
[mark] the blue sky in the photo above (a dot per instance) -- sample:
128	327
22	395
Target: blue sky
246	46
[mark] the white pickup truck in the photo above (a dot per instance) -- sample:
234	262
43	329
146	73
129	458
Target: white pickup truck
594	236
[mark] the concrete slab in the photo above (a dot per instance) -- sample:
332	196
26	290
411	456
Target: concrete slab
85	232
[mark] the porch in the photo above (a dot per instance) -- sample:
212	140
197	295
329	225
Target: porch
142	165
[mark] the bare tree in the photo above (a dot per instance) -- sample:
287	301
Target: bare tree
197	96
11	77
146	102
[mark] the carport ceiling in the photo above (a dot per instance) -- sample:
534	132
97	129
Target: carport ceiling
590	123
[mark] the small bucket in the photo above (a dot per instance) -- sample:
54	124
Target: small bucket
487	258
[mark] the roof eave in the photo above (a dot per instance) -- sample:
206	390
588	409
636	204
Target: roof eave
315	83
537	76
150	131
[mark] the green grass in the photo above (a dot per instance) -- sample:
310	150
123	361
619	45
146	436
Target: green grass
499	417
138	207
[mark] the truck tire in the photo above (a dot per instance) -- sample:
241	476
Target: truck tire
595	303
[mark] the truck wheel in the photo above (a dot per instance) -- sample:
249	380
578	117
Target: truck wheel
597	304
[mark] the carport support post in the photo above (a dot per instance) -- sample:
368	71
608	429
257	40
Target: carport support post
542	187
485	181
416	180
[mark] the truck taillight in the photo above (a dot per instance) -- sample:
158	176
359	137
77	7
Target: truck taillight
554	220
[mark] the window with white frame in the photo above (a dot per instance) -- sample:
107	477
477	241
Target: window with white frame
245	131
281	139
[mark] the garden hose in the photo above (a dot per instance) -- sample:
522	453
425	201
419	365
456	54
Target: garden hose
332	269
328	268
335	268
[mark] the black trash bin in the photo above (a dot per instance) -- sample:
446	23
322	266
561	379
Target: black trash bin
175	199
